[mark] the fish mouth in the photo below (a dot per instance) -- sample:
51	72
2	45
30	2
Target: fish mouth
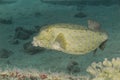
36	42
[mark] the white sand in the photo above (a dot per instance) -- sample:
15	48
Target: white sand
22	13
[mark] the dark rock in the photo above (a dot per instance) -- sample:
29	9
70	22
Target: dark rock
4	53
73	67
37	28
22	34
80	15
14	41
6	21
37	14
30	49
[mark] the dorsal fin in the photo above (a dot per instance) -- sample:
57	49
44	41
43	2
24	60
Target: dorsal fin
93	25
61	40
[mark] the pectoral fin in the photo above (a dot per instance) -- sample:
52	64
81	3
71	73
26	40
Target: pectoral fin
61	40
102	46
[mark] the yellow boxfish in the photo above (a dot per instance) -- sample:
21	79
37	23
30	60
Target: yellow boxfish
71	38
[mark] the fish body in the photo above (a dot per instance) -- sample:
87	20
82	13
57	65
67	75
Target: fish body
69	38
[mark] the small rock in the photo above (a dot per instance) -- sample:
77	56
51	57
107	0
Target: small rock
14	41
37	28
30	49
80	15
37	14
6	21
22	34
4	53
73	67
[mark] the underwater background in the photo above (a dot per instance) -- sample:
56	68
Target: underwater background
21	20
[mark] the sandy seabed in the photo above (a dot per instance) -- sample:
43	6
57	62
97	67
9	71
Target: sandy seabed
23	12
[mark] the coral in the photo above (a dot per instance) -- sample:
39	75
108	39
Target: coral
106	70
33	74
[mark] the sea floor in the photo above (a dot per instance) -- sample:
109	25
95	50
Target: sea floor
31	13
